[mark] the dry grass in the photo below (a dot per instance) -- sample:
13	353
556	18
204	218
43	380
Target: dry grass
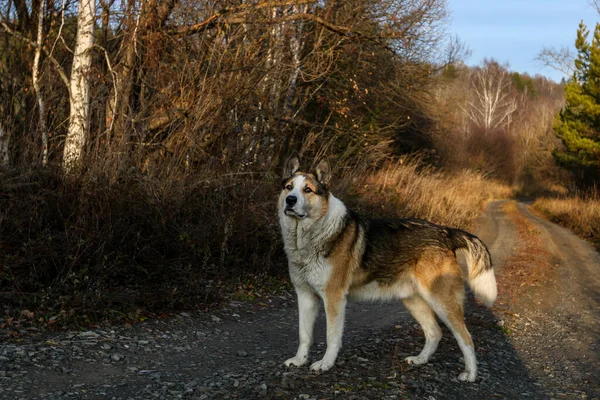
410	190
579	213
96	249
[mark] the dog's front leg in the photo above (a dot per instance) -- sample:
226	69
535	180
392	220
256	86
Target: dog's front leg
335	308
308	307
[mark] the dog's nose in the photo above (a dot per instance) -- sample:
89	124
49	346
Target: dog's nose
291	200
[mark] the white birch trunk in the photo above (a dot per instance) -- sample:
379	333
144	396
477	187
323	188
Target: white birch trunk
36	83
4	159
296	44
80	84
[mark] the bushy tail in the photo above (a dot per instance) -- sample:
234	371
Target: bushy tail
481	277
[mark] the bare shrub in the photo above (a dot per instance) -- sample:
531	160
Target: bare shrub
494	153
95	245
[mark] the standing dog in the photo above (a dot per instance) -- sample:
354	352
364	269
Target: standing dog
334	254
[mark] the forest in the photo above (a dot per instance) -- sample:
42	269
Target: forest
142	142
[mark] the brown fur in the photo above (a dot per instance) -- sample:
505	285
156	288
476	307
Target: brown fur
342	270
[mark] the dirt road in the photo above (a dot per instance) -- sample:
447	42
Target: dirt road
543	344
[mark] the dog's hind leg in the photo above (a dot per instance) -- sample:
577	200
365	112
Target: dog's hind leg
425	316
446	299
308	307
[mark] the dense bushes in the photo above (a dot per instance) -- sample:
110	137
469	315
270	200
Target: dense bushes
133	243
95	246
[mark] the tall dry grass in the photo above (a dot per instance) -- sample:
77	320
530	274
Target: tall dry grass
411	190
580	213
96	248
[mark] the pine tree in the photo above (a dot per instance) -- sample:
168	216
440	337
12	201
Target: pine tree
578	123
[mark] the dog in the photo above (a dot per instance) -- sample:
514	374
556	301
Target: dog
335	255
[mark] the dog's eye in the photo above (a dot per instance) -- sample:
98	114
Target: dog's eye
289	187
307	190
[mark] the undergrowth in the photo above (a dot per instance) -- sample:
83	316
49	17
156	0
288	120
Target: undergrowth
79	251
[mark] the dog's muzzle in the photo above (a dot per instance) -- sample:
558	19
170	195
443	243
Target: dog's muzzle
290	202
290	212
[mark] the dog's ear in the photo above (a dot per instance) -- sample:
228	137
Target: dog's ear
323	172
291	165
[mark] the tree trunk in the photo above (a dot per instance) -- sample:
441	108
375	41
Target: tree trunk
128	97
80	84
296	44
4	158
36	84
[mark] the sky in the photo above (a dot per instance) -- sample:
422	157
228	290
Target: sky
514	31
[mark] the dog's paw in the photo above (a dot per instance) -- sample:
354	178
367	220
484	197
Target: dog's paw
295	361
467	376
416	360
322	365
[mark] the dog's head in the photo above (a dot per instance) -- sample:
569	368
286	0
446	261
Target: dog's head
304	194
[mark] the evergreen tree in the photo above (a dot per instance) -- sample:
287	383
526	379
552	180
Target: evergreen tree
578	123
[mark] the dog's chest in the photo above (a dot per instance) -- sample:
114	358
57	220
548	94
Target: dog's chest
314	273
304	243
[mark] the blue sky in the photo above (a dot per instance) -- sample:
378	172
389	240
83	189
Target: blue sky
514	31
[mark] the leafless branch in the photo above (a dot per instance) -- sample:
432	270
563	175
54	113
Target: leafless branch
54	61
561	60
234	12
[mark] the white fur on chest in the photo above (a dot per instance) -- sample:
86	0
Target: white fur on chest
304	241
314	275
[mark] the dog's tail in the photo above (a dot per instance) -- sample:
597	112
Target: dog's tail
480	277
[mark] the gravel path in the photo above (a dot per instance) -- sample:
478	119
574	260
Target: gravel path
237	351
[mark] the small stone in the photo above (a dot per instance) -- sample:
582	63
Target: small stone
242	353
116	357
262	390
145	371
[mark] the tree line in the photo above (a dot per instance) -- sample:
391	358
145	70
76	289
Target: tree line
166	87
133	82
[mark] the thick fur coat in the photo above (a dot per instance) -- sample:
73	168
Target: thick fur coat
335	255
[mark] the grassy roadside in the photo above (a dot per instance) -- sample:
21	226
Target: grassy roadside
581	214
76	253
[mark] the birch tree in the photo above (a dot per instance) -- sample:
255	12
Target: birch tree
296	44
493	103
79	85
36	83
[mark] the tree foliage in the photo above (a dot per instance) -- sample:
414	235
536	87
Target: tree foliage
578	123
